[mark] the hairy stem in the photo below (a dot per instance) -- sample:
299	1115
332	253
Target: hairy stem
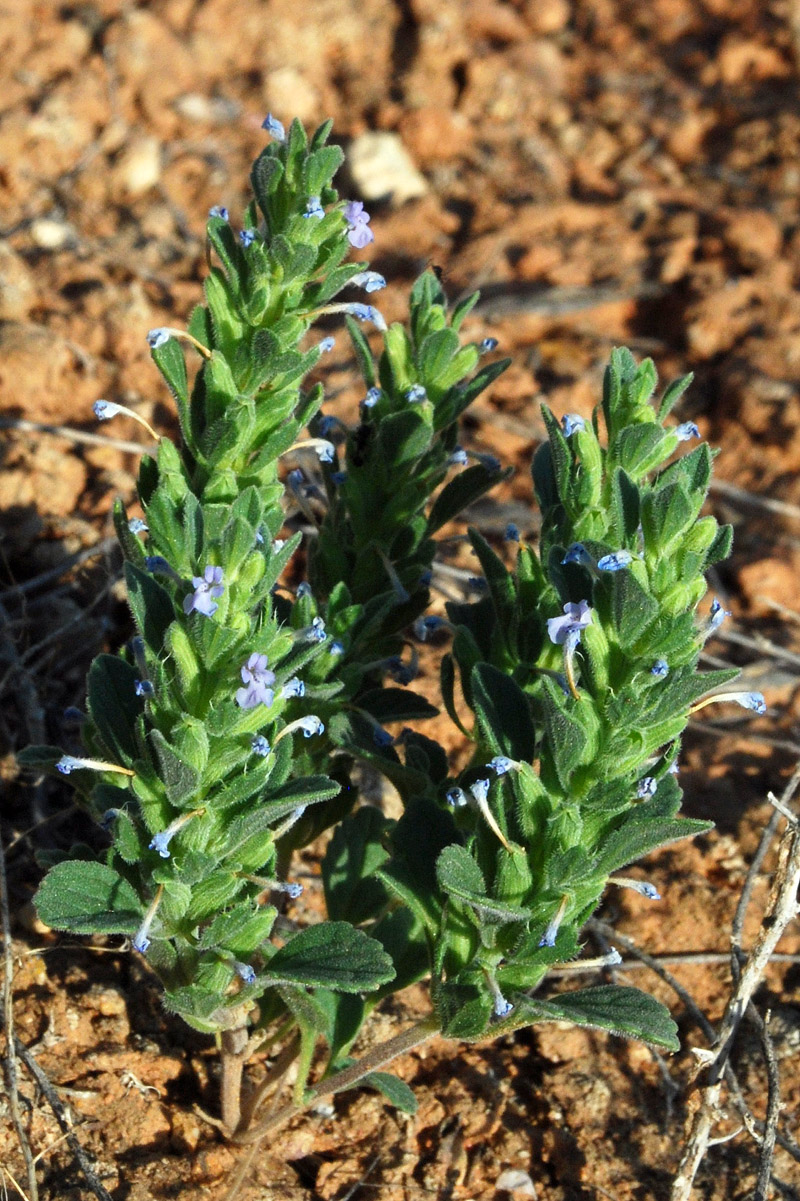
233	1047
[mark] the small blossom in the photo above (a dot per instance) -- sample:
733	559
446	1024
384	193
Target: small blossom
511	532
316	631
674	768
244	971
754	701
292	891
716	615
158	337
260	746
314	208
370	281
643	887
399	671
274	128
416	394
143	688
247	237
548	939
501	1007
303	589
459	457
480	790
278	545
359	234
366	312
158	565
372	398
660	669
338	478
310	726
257	679
207	589
613	958
501	764
336	648
104	410
456	797
576	618
487	345
571	422
381	737
646	788
108	819
70	763
577	553
220	211
326	345
160	842
140	941
327	425
615	561
137	526
325	451
686	430
424	626
293	688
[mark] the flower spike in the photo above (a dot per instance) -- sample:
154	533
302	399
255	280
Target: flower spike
140	941
104	410
480	793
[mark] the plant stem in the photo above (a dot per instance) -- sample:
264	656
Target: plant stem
377	1058
233	1046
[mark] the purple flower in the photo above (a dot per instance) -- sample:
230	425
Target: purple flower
686	430
359	234
220	211
314	208
615	561
257	679
487	345
207	589
247	237
260	746
370	281
576	618
158	337
274	128
571	422
660	669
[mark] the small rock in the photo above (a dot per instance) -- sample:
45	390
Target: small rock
287	90
547	16
436	135
48	233
380	167
211	110
17	291
514	1180
754	235
139	167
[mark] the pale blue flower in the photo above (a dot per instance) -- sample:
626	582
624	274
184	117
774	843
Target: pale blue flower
370	281
274	128
616	561
137	526
416	394
502	764
459	457
372	398
260	746
660	669
104	410
245	971
577	553
143	688
686	430
326	345
487	345
571	422
456	797
247	237
310	726
220	211
293	688
314	208
511	532
646	788
158	337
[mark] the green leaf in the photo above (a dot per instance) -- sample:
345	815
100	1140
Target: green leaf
113	705
503	713
151	605
396	704
181	781
88	898
355	852
672	394
632	610
396	1091
463	490
332	955
460	876
566	737
624	1011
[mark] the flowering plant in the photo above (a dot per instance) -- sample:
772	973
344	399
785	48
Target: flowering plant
224	736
